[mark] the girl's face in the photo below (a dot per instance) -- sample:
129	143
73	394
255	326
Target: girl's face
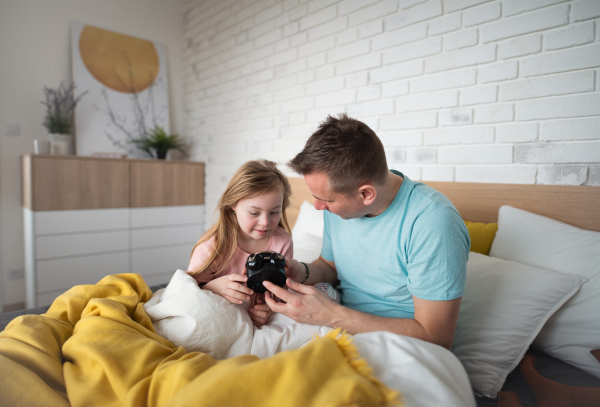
259	216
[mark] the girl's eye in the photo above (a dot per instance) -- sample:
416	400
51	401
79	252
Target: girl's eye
274	213
254	213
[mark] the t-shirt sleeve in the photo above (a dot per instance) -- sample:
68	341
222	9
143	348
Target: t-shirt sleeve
199	256
326	247
437	255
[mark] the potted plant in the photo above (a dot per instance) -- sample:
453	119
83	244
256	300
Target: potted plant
159	142
60	108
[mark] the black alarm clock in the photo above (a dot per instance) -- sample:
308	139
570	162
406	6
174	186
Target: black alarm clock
265	266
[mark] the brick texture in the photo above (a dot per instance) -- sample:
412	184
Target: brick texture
458	90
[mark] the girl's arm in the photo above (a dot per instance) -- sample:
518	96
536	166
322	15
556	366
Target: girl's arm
231	286
199	257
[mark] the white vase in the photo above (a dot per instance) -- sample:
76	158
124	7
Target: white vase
60	144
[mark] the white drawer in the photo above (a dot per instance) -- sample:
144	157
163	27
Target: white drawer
141	238
82	243
160	260
62	274
50	222
166	216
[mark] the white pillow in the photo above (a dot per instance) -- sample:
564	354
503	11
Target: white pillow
199	320
307	233
532	239
309	221
307	247
504	306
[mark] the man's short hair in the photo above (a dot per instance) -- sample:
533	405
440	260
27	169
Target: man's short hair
347	151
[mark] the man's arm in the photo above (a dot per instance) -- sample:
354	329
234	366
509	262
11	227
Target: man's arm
320	270
434	321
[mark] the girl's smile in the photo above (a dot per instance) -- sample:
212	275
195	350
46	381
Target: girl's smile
257	217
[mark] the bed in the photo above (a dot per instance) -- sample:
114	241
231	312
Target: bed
98	344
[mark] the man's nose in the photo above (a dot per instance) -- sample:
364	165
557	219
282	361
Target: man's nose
320	205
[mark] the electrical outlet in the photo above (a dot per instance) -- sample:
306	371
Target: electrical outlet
16	274
13	130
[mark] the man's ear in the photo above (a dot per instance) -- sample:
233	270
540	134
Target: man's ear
368	193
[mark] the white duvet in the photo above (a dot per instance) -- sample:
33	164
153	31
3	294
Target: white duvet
426	374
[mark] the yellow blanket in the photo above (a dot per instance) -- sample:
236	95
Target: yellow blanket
96	346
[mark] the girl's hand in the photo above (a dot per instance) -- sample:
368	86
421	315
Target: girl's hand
295	271
231	287
259	311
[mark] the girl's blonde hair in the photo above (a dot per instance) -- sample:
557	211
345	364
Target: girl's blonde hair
251	179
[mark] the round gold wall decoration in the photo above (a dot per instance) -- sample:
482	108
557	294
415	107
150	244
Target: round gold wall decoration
118	61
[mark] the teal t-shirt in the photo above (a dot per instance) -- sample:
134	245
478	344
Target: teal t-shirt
418	246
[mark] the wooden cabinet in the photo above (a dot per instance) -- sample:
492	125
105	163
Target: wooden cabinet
156	184
89	217
63	182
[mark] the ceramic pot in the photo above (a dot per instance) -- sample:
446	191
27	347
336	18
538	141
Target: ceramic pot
60	144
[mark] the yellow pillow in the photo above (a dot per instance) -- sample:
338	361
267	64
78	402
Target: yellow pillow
482	235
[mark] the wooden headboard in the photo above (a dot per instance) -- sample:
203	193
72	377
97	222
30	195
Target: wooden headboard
300	193
479	202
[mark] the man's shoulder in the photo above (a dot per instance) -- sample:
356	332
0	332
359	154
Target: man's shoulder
420	201
429	195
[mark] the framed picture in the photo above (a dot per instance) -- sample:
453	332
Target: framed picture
126	80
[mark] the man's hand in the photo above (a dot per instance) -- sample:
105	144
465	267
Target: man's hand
307	305
259	311
321	270
231	287
434	321
295	271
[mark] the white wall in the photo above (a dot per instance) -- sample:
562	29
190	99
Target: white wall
459	90
35	51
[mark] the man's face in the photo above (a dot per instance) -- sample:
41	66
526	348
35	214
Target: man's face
346	207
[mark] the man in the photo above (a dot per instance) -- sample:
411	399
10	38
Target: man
398	248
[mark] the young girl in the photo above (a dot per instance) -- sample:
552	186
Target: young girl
252	218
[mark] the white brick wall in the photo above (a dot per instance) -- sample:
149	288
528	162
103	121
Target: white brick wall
458	90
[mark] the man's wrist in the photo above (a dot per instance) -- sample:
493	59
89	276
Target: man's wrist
307	272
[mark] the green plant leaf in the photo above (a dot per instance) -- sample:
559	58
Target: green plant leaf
60	106
158	139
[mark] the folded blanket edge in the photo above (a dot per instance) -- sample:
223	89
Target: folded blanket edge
344	341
